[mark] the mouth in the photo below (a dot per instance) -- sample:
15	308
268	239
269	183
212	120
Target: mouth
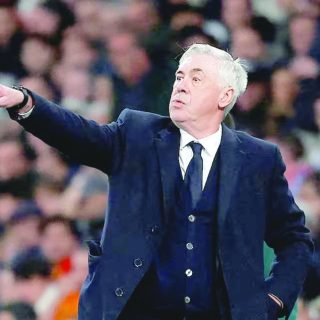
177	102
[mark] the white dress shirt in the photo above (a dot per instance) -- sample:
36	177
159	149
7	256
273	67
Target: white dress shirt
210	146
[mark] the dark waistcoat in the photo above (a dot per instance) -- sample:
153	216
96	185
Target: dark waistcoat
182	281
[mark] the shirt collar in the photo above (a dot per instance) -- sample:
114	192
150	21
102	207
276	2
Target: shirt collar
209	143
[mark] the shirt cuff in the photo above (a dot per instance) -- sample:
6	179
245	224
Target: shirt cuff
24	115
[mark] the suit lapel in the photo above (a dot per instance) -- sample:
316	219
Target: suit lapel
167	144
231	160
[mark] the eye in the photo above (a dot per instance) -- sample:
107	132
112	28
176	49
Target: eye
196	79
178	78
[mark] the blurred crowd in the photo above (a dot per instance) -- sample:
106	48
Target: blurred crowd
97	57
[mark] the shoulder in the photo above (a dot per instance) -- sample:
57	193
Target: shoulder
260	153
141	120
253	144
261	156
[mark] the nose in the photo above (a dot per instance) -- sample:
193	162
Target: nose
181	86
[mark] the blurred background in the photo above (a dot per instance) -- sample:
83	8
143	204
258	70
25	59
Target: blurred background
97	57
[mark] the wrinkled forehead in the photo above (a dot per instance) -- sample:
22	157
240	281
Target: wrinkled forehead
198	62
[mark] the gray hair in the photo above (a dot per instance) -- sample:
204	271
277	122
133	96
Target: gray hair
232	72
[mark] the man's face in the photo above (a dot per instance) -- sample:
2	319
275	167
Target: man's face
7	25
128	58
196	92
57	242
302	31
12	161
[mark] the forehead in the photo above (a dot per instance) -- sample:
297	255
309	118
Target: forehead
199	62
302	22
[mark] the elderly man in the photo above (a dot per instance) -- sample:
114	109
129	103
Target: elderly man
191	203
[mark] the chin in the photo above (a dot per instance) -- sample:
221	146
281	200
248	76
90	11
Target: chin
177	115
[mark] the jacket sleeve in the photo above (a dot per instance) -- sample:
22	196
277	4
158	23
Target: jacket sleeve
287	235
84	141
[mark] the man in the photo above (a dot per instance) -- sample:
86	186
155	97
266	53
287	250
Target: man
191	203
17	175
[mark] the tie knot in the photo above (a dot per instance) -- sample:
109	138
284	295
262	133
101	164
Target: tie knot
196	147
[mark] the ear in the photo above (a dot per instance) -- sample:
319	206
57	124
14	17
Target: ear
225	97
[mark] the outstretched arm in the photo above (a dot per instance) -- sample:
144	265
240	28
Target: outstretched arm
83	140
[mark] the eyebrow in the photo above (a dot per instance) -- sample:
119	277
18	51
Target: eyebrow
192	70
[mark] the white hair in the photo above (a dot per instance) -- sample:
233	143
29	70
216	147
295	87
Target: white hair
232	72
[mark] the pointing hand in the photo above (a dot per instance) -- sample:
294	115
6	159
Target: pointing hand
9	97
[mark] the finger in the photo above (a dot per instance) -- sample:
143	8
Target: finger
3	102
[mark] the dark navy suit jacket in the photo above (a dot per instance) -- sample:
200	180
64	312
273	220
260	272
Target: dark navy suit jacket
138	152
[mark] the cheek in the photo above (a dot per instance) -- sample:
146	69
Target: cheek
204	105
198	100
172	92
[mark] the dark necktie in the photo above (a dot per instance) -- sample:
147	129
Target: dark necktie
193	176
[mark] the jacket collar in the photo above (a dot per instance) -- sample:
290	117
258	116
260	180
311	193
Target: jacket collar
167	143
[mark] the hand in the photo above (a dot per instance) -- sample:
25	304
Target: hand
9	97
